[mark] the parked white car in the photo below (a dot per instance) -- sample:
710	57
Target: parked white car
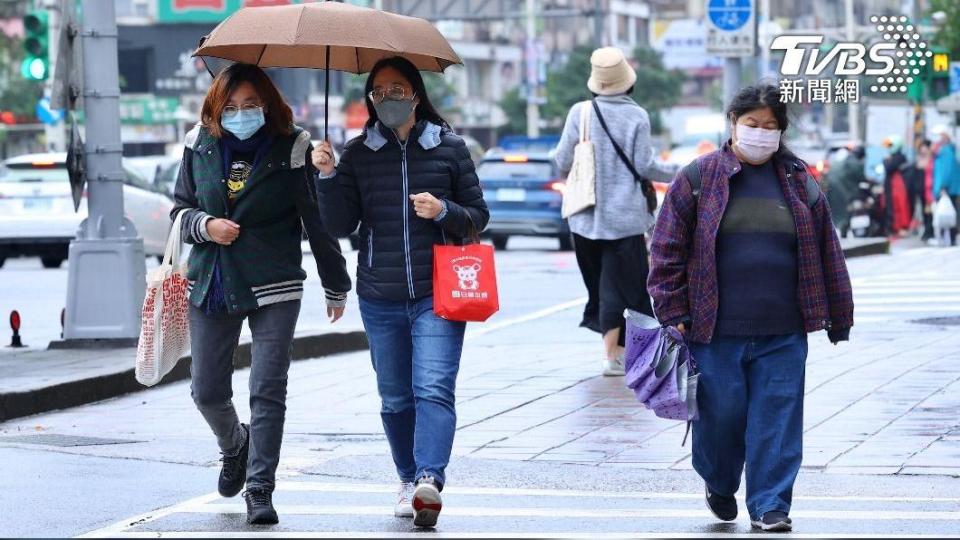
37	216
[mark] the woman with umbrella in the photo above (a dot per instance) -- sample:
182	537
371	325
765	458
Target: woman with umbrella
409	183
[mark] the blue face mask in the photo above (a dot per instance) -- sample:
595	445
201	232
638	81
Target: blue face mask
244	123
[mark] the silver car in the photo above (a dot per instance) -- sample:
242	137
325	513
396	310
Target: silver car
37	216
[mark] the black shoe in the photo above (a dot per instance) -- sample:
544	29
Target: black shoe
426	503
724	507
233	473
775	521
260	509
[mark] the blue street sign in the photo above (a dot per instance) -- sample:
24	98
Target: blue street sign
730	15
46	114
955	77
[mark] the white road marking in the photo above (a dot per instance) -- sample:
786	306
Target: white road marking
475	332
333	487
121	526
266	533
553	513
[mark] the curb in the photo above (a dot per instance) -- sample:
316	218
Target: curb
84	391
877	247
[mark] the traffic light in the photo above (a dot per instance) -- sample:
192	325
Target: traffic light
36	61
939	74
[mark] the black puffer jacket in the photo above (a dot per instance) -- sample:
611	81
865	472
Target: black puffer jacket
371	188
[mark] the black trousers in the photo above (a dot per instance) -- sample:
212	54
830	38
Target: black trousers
615	274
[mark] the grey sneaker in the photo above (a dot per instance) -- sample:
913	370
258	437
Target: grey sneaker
775	521
426	503
404	507
614	368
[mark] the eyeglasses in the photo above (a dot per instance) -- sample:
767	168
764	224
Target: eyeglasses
395	92
230	110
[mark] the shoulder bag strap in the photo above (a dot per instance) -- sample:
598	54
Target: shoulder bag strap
649	193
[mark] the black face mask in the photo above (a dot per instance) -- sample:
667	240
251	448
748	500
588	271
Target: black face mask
393	113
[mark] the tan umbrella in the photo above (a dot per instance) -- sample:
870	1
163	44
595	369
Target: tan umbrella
326	35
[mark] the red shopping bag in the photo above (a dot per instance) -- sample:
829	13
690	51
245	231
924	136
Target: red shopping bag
464	283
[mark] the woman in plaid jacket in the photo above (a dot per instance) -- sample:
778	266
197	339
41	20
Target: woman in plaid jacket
745	262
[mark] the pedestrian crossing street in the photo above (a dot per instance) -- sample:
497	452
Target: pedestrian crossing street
929	287
351	510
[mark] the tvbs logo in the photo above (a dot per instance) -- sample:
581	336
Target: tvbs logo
895	60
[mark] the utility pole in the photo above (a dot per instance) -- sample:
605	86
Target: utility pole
763	36
533	70
54	133
106	280
853	108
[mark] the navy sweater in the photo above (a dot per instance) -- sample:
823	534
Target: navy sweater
757	266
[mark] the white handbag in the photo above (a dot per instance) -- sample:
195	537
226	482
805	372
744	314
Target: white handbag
165	319
580	193
944	214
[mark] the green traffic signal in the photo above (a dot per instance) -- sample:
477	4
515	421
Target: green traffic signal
36	63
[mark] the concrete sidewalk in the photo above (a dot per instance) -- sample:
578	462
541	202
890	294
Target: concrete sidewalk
37	380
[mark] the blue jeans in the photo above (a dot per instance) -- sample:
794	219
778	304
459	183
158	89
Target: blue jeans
416	356
750	398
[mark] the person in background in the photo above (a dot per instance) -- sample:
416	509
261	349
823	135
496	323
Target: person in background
918	176
745	265
609	238
843	186
946	171
894	186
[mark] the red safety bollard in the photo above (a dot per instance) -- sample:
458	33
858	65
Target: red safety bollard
15	326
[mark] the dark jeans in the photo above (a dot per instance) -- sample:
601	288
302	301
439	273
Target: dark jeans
214	340
615	274
416	356
750	399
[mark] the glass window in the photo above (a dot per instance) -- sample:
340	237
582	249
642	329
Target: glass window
29	173
503	169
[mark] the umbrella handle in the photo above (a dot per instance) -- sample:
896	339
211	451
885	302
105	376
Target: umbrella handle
326	98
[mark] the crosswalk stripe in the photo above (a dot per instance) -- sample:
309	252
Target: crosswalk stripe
332	487
505	535
553	513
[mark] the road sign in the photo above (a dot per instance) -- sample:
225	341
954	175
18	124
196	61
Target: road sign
75	164
148	109
954	77
731	27
46	113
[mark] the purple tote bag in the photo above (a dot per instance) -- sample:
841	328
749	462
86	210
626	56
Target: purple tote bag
660	369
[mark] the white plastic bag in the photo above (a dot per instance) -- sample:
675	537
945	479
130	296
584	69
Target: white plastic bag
580	191
944	214
165	322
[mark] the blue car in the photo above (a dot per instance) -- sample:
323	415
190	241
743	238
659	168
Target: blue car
524	192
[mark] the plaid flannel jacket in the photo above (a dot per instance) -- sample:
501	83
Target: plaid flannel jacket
683	272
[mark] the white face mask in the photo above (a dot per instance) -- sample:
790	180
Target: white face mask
757	145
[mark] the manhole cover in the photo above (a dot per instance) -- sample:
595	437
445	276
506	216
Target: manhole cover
940	321
52	439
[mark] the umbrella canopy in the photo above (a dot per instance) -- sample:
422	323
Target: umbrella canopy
326	35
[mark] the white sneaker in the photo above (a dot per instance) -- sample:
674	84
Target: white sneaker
404	507
426	503
614	368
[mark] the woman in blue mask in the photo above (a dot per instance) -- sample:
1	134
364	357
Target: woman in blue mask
245	200
409	183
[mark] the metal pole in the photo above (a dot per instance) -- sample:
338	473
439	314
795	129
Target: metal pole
763	32
326	98
853	109
533	110
106	279
731	79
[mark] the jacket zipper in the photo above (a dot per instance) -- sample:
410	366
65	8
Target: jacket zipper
406	218
370	249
